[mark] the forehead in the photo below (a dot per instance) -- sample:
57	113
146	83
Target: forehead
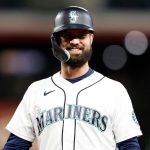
74	31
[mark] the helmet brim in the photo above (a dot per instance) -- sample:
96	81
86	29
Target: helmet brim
72	26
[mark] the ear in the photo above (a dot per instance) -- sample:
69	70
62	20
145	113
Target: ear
91	37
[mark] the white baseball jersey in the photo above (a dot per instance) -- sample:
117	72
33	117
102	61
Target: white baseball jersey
92	114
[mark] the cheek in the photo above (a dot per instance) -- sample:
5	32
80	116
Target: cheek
63	44
88	44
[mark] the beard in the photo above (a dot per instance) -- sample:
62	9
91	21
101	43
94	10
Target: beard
81	59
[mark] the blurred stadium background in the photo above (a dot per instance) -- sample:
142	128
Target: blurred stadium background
120	50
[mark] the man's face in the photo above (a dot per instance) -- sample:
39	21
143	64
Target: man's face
78	43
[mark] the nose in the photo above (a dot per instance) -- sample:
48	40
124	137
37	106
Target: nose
74	41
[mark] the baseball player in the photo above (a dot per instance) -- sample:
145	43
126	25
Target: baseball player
77	108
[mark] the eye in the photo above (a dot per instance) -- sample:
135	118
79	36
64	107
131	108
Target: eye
69	36
66	36
82	36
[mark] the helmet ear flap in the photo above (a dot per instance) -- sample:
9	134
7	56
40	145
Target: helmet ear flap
60	53
57	38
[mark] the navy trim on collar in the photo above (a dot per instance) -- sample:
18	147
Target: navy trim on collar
74	80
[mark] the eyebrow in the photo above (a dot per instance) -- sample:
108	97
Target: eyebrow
69	32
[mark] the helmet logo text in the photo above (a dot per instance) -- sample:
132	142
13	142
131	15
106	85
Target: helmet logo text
73	17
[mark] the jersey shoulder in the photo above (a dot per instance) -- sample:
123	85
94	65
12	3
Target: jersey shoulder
110	83
40	85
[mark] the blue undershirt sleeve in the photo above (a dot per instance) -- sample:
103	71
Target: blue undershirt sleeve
130	144
16	143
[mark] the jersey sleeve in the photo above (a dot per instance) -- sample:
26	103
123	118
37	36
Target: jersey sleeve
14	142
21	123
124	121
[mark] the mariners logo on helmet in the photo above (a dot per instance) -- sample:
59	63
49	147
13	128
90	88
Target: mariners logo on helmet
73	16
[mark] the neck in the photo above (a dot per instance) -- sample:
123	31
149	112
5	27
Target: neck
69	72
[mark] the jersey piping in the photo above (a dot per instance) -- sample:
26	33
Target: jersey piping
77	104
63	109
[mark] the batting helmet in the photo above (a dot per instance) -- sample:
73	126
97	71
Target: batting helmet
72	17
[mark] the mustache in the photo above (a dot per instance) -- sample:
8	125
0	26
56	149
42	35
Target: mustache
69	47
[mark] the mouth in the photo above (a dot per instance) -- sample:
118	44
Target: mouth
75	51
72	48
